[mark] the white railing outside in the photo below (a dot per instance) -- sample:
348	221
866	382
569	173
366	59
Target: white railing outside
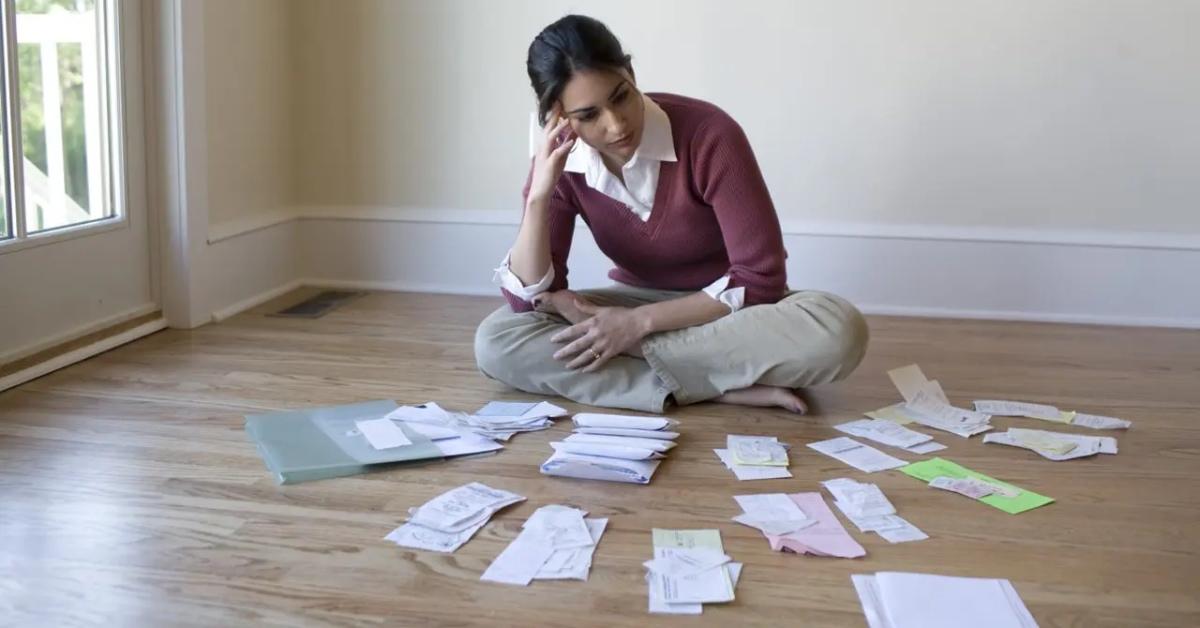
48	190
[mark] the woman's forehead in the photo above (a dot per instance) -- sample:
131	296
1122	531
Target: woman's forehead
591	88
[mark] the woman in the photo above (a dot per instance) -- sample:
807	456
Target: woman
673	195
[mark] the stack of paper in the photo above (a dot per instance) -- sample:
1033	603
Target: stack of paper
556	543
804	526
440	424
868	508
755	457
612	447
892	434
1051	413
689	569
1006	497
926	403
1055	445
448	433
862	457
447	521
501	419
911	600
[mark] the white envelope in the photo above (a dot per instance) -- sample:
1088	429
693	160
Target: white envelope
624	441
598	468
624	431
607	451
620	420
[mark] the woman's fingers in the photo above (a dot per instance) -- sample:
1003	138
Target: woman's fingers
605	356
583	359
570	333
573	348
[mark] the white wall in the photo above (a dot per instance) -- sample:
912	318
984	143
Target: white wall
249	113
1072	114
1023	159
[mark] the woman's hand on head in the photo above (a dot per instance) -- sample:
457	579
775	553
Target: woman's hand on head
551	157
609	332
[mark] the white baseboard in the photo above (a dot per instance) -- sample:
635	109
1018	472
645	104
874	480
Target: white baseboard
1140	279
80	354
77	332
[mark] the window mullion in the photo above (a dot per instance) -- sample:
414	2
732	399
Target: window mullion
12	114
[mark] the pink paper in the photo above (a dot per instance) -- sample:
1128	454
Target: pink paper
826	538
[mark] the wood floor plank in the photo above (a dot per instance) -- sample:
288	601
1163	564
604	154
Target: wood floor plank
129	494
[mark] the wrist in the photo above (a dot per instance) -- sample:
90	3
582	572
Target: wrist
644	320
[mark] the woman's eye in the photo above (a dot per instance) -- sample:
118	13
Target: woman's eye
587	117
621	97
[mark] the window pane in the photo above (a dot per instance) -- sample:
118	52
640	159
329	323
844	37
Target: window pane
60	98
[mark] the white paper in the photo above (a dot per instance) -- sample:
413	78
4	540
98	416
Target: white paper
909	600
858	499
420	537
860	456
652	444
599	468
382	433
1083	446
605	451
563	527
466	444
884	432
521	560
505	408
622	421
1098	422
711	585
624	431
750	472
925	448
903	534
458	508
573	564
756	450
1018	408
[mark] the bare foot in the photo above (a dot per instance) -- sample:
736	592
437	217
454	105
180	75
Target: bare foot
766	397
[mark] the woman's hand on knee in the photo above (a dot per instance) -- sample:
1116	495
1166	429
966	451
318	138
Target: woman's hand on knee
607	333
562	303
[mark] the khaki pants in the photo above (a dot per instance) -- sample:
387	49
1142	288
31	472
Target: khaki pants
806	339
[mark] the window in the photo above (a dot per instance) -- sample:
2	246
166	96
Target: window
59	132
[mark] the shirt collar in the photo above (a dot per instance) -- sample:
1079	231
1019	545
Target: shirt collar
657	142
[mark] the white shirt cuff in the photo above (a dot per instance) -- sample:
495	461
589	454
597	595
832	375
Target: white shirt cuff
734	298
505	278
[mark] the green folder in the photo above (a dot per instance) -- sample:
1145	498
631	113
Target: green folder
320	443
928	470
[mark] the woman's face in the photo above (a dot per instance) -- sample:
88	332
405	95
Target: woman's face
605	109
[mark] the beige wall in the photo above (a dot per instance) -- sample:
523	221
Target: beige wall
249	113
1072	114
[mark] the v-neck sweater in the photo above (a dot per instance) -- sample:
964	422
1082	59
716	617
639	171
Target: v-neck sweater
712	216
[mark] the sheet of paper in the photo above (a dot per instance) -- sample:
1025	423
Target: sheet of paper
505	408
751	472
460	507
521	560
466	444
859	499
825	538
884	432
661	446
908	380
860	456
925	448
903	533
562	526
658	606
771	513
910	600
382	433
927	470
894	413
711	585
622	431
573	564
622	421
1018	408
933	413
683	539
968	487
1098	422
605	451
757	450
420	537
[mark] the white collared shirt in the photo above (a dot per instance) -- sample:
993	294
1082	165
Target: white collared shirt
636	193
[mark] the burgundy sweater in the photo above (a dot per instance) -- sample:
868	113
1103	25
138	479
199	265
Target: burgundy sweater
712	215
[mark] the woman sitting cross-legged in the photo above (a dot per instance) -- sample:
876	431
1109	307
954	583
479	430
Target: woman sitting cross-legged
672	194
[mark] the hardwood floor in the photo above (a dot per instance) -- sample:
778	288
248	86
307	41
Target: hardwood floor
131	495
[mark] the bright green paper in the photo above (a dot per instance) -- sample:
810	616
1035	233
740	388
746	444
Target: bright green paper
927	470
